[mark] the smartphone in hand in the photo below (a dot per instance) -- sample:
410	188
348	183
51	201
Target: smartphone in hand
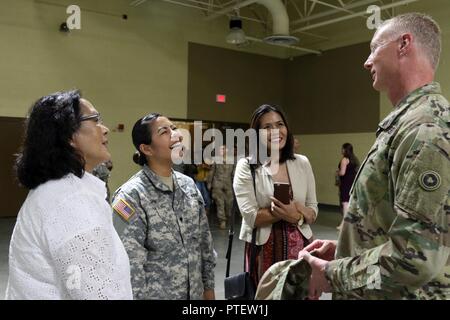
281	192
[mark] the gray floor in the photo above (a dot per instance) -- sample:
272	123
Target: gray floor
324	228
6	227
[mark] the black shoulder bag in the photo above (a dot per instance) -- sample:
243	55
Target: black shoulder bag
240	286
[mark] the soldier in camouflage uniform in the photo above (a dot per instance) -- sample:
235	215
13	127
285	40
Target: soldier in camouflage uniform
395	240
103	171
160	217
220	184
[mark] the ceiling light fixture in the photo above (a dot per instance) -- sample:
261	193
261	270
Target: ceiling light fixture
236	35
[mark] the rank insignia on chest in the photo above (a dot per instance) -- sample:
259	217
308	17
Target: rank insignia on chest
123	209
430	180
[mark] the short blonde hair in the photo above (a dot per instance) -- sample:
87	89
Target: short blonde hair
425	30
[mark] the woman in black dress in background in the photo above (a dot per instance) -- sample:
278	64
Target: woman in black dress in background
347	168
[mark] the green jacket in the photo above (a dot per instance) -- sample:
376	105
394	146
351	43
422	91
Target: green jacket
395	242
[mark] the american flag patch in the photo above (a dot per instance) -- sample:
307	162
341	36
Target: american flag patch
123	209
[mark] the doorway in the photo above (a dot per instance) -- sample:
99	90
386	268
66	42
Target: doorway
11	133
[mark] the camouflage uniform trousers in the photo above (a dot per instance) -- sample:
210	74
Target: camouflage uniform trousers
222	194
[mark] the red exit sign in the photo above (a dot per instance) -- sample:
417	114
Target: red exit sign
221	98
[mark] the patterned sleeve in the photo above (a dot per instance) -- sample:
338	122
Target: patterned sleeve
418	246
84	248
132	229
207	247
87	266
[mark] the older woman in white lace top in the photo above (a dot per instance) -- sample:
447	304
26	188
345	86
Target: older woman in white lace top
64	245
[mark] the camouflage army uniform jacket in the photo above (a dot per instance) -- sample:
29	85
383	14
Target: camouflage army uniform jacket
221	176
166	236
395	241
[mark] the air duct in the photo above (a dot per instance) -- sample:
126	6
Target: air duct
280	20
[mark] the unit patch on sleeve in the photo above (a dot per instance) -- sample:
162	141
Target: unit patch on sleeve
430	180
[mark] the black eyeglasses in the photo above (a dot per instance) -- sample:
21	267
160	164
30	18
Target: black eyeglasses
96	117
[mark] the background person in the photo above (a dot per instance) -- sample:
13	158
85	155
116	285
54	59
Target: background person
103	171
296	145
347	168
201	182
220	184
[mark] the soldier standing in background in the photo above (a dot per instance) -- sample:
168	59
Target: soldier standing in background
201	181
103	171
296	145
220	184
395	241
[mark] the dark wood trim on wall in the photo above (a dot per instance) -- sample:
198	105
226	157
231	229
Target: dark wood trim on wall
11	133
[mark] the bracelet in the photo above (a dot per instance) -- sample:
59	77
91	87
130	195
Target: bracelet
300	219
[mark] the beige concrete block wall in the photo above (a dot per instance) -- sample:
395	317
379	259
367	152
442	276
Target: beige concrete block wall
127	68
324	153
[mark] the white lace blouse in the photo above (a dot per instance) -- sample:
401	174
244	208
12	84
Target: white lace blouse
64	245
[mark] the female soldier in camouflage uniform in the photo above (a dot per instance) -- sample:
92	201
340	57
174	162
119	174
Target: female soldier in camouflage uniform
160	217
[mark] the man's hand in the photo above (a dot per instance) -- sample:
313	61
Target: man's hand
208	294
318	284
286	212
322	249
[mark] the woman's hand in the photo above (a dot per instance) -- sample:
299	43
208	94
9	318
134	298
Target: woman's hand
308	213
286	212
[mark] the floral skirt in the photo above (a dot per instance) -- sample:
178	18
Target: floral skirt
285	242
